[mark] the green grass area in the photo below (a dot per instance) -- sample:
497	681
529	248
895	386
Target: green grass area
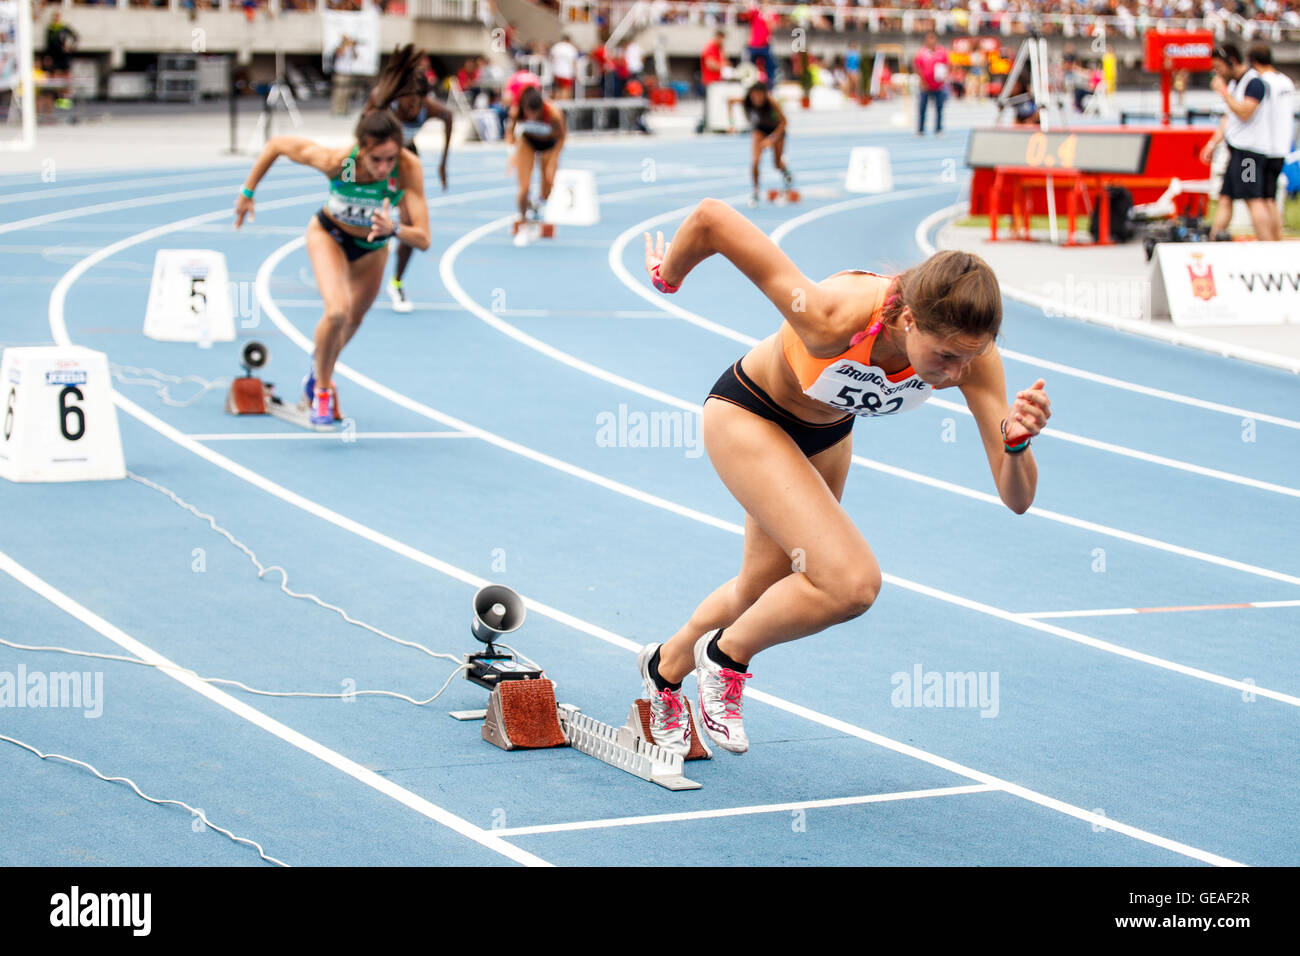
1290	219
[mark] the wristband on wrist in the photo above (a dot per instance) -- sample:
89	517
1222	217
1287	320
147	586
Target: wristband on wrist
248	193
660	284
1009	448
397	228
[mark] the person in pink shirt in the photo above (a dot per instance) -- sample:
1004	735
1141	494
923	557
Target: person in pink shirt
760	42
931	65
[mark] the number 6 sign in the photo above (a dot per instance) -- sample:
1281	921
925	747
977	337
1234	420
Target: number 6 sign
59	419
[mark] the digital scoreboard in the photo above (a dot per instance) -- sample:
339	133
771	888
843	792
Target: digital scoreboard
1090	152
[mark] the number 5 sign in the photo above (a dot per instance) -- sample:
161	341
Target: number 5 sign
59	419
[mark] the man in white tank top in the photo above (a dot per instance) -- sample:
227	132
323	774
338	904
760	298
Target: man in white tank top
1281	114
1248	130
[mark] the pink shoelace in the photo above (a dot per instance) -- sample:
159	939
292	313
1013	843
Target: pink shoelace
675	709
731	693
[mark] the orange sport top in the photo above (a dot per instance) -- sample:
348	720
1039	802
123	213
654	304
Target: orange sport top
849	381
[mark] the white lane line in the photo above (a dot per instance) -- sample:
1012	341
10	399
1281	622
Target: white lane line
323	436
1147	329
1088	641
1125	452
609	637
154	200
488	839
1173	463
446	269
58	328
223	191
616	251
683	817
812	215
262	286
514	313
1113	611
231	174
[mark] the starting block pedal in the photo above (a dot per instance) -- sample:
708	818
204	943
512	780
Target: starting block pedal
534	230
523	715
638	720
783	196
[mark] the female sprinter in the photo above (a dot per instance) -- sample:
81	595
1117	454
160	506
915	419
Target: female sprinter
542	130
347	240
768	122
404	88
777	428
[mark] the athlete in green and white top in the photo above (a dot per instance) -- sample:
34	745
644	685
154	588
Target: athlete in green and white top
347	240
404	89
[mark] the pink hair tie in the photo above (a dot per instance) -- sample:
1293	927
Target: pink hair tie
875	327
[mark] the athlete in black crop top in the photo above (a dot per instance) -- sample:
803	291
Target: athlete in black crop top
536	130
768	122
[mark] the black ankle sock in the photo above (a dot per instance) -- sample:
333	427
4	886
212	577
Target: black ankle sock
716	655
659	681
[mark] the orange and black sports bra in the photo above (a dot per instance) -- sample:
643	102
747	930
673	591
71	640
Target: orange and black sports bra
849	381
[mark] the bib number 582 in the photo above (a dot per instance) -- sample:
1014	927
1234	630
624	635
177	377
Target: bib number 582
869	401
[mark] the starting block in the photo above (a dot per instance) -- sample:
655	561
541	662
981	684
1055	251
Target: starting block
249	395
533	230
869	170
252	396
783	196
523	715
573	200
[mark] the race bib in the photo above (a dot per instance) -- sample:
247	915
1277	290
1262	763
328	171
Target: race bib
536	128
353	210
940	72
865	390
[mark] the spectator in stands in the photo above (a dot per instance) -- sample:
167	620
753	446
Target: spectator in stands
1021	100
635	61
760	42
853	69
343	64
931	66
564	65
59	42
1248	130
712	60
605	65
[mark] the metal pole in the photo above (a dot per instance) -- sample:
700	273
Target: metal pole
234	95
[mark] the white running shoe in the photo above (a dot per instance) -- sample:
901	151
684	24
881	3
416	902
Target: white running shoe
720	699
670	722
398	296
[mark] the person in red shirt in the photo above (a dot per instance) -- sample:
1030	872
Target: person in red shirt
713	59
931	65
760	45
